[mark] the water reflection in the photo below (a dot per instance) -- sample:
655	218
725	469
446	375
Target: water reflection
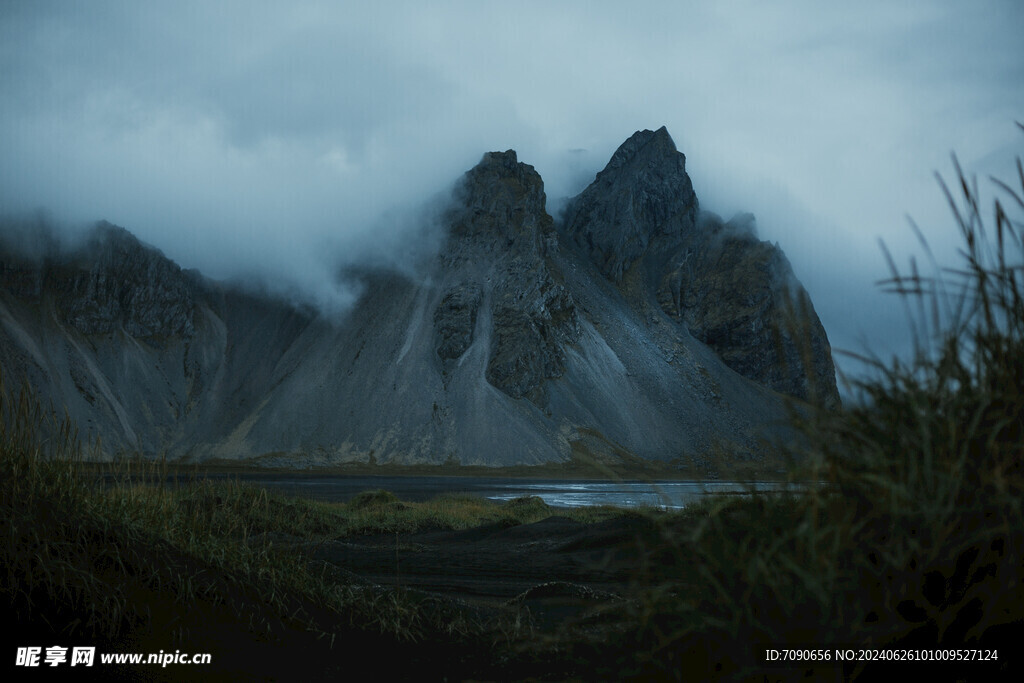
665	494
670	495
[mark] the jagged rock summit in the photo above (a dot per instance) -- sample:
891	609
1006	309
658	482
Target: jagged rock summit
501	240
640	222
640	206
637	327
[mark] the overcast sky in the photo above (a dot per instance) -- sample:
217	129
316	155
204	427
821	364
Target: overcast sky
276	138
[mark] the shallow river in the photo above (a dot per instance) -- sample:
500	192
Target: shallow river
561	493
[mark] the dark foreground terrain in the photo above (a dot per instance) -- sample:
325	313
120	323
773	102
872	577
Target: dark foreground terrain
558	567
459	588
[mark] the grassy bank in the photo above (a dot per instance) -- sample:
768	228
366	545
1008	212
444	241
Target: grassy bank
580	466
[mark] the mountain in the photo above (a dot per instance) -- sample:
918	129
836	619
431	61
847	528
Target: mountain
639	222
637	326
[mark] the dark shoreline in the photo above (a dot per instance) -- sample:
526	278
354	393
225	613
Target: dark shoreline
559	493
648	473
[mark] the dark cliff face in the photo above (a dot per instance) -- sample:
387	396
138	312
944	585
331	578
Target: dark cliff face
502	221
739	296
112	282
455	321
135	348
639	222
641	205
119	282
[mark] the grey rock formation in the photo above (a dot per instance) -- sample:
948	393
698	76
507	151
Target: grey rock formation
455	321
640	206
739	296
636	330
117	282
503	222
639	222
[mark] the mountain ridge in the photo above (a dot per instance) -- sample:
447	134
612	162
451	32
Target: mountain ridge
525	341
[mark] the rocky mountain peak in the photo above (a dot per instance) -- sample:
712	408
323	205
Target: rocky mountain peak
500	178
641	224
506	161
642	198
502	200
651	145
501	241
106	235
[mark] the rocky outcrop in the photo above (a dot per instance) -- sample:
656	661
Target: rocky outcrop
529	338
455	321
639	222
118	283
641	206
112	282
738	295
503	222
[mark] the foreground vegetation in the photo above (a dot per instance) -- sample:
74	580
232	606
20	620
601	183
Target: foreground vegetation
915	541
